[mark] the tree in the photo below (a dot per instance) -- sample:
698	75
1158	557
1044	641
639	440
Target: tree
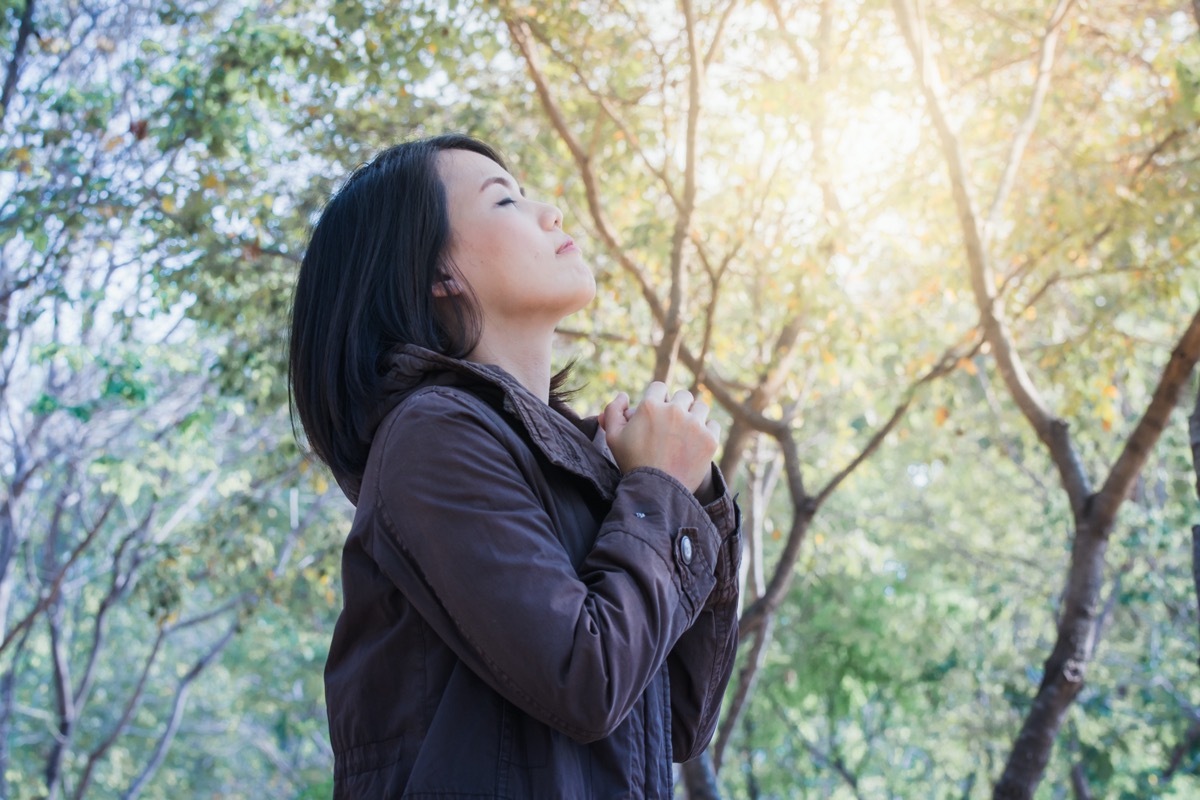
773	222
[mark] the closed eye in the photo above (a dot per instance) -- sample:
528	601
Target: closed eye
507	201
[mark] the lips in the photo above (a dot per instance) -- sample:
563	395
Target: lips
565	247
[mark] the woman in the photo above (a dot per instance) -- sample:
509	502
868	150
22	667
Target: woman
527	612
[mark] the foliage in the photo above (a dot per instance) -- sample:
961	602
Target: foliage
162	163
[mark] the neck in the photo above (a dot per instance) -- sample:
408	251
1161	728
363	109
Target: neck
525	357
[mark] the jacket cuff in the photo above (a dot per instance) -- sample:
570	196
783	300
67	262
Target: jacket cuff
692	542
726	515
723	511
729	562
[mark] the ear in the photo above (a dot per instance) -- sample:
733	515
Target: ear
447	287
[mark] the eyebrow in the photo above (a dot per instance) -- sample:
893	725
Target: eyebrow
503	181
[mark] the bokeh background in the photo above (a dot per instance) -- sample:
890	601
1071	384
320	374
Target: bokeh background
928	260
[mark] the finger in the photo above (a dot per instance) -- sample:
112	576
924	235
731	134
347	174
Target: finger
700	410
613	418
714	428
656	392
683	398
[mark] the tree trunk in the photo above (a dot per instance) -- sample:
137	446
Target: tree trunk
701	779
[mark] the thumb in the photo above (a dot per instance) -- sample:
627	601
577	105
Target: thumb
613	418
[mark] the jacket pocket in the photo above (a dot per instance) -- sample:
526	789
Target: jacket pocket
368	757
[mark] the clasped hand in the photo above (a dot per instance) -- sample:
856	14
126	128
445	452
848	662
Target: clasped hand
670	433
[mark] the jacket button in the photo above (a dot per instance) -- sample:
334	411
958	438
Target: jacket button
685	548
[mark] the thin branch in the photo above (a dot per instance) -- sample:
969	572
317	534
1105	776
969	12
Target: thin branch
520	33
181	694
1194	436
1150	426
24	31
715	45
131	705
1052	431
1079	782
792	44
1036	100
1194	439
747	678
944	366
668	349
803	510
834	761
121	581
1190	740
64	705
49	594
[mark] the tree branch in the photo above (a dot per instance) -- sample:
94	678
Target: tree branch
1189	742
49	594
1150	426
1079	782
715	44
1052	431
181	694
747	677
1194	438
519	31
833	761
803	510
1025	130
24	31
668	349
131	705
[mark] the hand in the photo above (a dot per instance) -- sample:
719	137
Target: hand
671	434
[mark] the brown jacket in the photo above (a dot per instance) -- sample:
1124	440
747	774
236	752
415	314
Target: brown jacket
520	620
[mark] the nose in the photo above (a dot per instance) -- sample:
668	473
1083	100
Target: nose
551	217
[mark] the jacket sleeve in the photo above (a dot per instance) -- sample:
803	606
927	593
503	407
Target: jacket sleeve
463	534
702	660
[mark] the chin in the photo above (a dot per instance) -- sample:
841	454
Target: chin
587	296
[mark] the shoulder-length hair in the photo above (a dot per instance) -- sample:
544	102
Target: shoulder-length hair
366	288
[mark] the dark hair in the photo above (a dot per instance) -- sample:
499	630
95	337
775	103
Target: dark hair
366	288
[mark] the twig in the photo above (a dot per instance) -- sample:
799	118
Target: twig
14	65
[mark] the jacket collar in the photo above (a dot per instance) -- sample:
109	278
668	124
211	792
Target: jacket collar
562	437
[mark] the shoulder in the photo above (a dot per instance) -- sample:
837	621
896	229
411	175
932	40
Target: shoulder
445	444
440	413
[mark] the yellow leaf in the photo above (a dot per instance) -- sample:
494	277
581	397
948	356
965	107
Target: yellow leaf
1031	313
941	415
1111	391
210	181
168	205
967	366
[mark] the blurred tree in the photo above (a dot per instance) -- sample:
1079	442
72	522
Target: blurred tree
771	222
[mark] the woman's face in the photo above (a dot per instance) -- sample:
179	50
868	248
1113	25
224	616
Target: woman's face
512	252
